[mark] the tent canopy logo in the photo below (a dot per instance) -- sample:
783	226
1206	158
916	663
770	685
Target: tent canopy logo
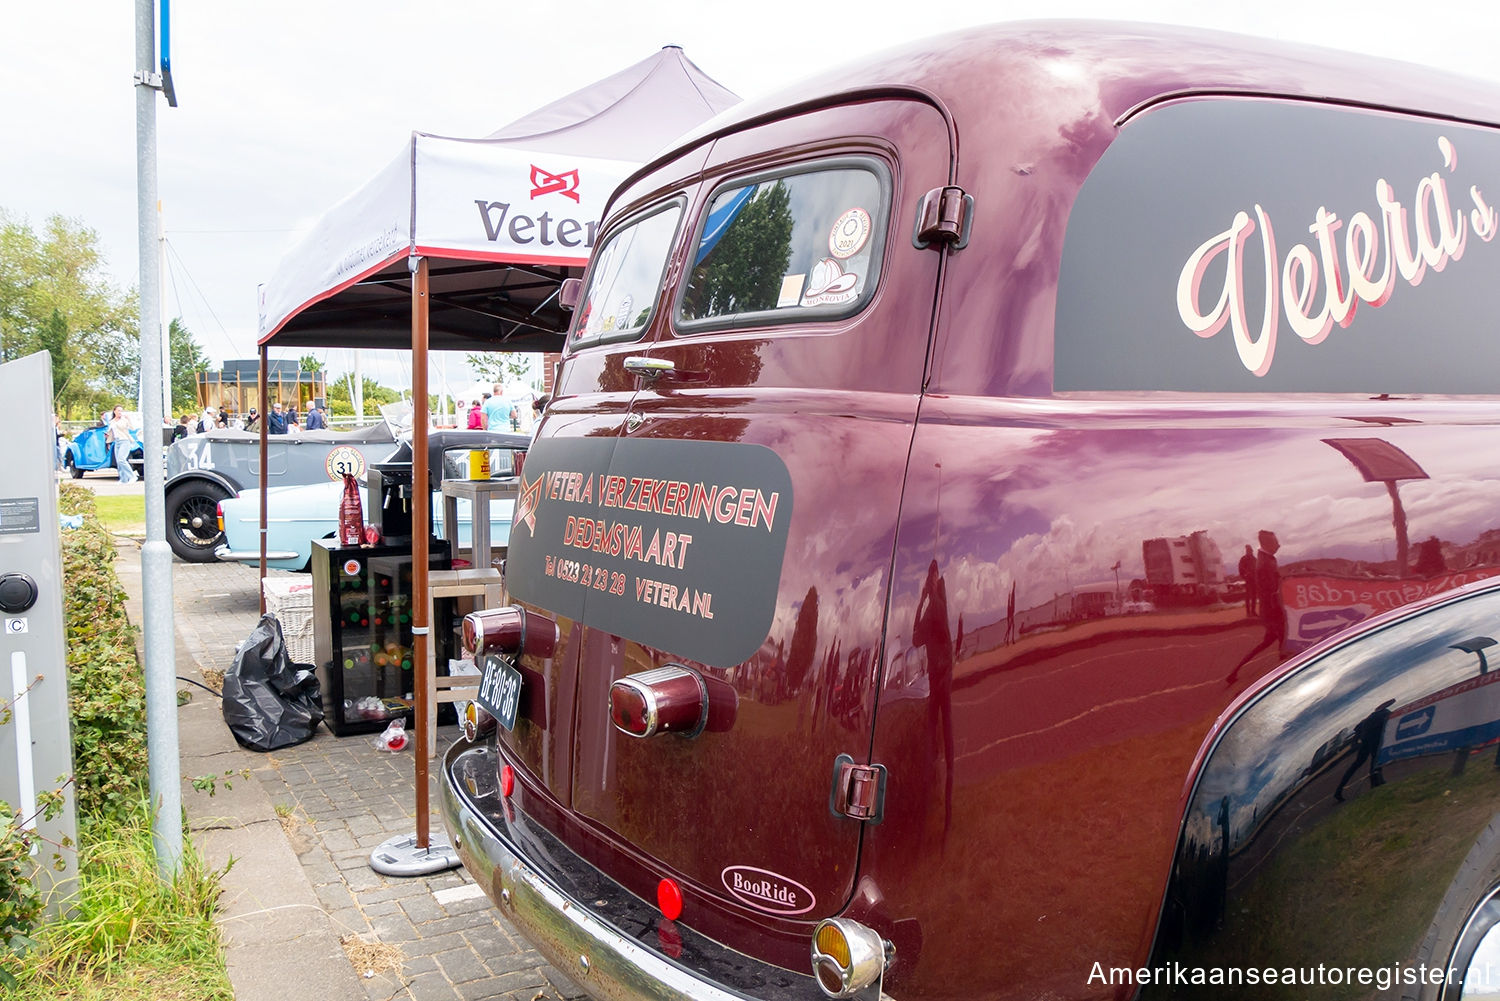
544	183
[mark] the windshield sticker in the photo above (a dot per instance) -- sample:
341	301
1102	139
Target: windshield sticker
830	283
622	313
1365	263
674	544
791	290
849	233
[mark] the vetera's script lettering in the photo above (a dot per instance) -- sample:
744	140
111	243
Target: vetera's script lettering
1320	287
605	532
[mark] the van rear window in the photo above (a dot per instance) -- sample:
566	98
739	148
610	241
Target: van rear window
626	277
788	246
1233	245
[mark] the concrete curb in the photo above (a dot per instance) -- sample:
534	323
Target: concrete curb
280	944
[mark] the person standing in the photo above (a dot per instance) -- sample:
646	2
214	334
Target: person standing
59	444
1272	605
476	417
117	437
276	420
494	411
1247	574
315	421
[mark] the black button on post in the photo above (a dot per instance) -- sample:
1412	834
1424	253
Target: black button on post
17	592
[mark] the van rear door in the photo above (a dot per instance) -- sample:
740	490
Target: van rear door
743	524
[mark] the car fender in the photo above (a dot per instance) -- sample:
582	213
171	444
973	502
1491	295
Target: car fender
209	475
1335	804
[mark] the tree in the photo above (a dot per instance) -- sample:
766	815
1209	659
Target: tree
188	359
309	363
744	271
340	405
503	366
55	298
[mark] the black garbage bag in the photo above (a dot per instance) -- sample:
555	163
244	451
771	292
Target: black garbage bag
268	702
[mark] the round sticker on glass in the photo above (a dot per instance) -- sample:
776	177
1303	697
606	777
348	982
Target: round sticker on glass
850	233
352	568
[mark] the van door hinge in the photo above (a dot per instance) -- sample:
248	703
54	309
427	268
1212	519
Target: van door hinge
858	790
944	216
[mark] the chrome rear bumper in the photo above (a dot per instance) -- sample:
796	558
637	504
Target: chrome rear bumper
606	962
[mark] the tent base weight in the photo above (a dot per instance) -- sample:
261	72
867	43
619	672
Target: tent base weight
400	856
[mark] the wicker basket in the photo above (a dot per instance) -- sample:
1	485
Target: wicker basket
291	601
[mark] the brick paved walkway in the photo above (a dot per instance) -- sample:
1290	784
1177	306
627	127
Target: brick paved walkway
347	798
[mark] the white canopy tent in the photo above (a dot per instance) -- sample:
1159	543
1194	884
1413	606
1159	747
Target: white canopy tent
501	220
462	244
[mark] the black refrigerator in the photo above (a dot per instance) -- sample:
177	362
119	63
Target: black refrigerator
362	643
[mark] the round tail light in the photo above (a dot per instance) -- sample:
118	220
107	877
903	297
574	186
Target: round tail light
847	957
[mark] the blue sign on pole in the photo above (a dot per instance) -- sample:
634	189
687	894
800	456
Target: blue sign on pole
166	54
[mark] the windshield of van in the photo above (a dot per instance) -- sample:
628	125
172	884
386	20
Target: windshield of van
793	242
627	274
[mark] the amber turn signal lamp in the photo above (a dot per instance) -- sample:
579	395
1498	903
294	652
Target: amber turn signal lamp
668	699
847	957
669	899
476	722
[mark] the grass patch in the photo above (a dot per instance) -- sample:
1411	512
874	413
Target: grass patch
125	936
129	936
122	514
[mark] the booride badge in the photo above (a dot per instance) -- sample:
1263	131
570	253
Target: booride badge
767	891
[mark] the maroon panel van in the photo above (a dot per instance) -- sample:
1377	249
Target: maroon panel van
1015	521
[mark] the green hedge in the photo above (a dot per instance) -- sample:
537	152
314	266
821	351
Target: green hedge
106	684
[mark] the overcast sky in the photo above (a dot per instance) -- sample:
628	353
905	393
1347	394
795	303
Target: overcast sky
288	105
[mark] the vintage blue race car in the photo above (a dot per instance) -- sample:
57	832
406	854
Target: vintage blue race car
88	451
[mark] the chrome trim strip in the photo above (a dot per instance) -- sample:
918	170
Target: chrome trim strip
245	556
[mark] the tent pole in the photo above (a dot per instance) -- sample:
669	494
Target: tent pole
421	523
265	481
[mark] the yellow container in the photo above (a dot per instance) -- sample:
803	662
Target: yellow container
479	464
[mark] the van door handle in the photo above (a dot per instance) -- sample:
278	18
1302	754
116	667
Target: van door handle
648	368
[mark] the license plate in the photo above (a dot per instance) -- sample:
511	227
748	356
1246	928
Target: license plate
500	691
